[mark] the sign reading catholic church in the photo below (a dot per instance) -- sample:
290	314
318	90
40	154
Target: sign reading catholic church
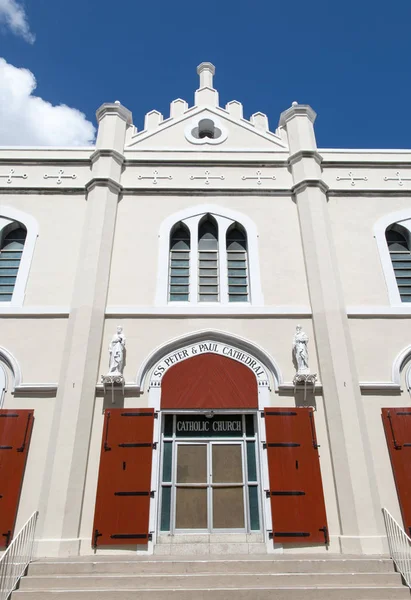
208	347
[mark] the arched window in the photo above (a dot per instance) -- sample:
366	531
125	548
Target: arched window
11	251
208	255
179	267
399	248
237	264
208	278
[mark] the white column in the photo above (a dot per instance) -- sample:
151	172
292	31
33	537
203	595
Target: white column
66	464
353	469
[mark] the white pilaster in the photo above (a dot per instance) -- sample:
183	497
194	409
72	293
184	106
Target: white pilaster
63	485
357	496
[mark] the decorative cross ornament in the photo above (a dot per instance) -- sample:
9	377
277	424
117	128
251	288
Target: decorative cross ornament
207	177
155	177
12	174
351	178
398	178
258	176
59	177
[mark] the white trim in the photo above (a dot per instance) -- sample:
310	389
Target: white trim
34	311
32	228
367	151
379	385
399	363
33	388
184	309
9	360
208	335
402	217
3	384
196	110
208	347
380	311
218	213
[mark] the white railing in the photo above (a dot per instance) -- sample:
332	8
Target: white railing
400	546
18	555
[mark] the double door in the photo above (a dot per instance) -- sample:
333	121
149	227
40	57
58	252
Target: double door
210	486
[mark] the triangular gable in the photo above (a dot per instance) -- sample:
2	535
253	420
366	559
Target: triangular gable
175	133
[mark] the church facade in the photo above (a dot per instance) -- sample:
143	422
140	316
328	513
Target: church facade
205	342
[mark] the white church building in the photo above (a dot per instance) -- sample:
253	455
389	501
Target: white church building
205	337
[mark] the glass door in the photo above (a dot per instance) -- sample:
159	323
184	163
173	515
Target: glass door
191	489
209	474
227	486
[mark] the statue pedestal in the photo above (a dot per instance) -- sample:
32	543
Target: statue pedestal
305	380
113	380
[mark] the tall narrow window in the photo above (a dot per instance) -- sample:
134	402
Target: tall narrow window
208	261
237	265
10	256
399	248
179	280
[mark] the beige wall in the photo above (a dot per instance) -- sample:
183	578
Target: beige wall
353	219
134	264
36	344
377	342
56	253
145	335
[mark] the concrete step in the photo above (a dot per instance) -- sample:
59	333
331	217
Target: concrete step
265	564
280	593
203	581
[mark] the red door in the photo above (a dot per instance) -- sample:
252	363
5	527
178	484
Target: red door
397	426
124	481
15	432
296	491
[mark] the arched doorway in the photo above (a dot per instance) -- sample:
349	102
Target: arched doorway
210	472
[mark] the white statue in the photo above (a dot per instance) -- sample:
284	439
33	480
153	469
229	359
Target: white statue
117	350
300	342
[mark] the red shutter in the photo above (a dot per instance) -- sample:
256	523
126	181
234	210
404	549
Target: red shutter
15	432
296	491
397	426
124	481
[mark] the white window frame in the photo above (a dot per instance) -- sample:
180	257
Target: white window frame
9	215
191	217
3	384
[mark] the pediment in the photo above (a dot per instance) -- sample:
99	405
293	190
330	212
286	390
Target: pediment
182	133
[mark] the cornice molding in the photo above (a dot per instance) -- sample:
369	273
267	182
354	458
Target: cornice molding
307	183
299	110
107	152
300	154
34	389
113	186
114	109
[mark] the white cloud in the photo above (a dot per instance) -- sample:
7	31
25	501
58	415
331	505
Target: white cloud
27	120
13	15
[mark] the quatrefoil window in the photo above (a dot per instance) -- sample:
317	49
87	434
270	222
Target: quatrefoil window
205	130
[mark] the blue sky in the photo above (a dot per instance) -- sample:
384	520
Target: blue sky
350	61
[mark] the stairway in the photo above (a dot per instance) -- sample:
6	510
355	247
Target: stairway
265	577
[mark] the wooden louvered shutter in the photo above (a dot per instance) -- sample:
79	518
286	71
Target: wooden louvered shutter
124	481
15	432
296	491
397	426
